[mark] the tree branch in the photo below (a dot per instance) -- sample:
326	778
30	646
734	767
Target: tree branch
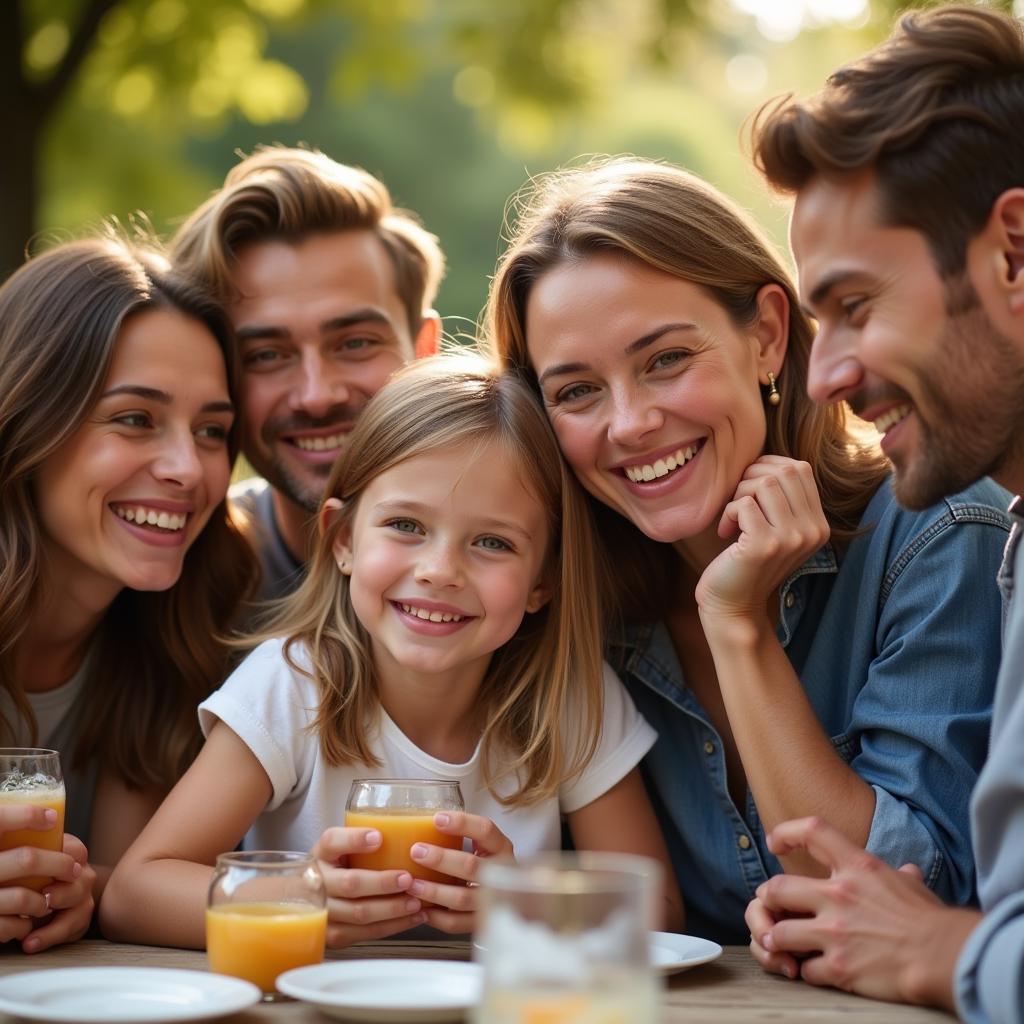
48	94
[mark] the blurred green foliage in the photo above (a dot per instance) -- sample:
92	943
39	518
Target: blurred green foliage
453	103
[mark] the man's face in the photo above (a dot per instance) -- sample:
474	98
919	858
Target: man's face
915	354
321	328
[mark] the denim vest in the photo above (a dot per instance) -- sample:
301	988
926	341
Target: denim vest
896	640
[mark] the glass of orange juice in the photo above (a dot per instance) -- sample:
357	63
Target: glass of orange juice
266	912
402	810
32	775
563	939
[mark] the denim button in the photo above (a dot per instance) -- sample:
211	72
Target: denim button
743	842
709	747
790	599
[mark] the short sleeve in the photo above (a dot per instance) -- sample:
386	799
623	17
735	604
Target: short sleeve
268	705
625	738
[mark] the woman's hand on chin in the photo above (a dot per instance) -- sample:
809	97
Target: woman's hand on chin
776	523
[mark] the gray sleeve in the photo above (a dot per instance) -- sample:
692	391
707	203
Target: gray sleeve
989	980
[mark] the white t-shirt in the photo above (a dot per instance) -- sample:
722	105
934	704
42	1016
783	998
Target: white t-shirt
269	705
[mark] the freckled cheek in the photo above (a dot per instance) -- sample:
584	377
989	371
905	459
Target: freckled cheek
377	567
505	601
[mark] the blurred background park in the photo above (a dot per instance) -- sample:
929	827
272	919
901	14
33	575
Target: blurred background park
116	106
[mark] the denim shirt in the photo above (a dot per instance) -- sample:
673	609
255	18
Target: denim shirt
896	641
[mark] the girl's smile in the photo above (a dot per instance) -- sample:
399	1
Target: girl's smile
445	552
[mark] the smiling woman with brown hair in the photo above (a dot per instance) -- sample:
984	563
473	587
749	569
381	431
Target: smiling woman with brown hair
791	633
119	566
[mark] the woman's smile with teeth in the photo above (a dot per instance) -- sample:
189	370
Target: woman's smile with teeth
151	517
891	417
320	444
423	613
645	472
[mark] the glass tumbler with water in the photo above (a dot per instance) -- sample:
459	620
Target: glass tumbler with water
564	939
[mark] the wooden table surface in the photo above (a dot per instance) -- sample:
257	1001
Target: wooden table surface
732	990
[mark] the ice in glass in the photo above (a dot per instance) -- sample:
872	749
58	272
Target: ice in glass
32	775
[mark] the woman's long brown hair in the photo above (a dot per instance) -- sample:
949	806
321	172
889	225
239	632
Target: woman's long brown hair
155	656
673	221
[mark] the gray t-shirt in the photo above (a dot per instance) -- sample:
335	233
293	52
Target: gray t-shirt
989	980
280	571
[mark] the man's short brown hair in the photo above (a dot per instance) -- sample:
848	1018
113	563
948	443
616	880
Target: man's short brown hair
937	112
280	194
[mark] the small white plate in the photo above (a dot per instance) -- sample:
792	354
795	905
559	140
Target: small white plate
123	995
387	991
671	953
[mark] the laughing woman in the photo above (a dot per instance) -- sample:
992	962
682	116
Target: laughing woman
802	644
119	566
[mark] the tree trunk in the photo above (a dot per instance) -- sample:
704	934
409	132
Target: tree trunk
24	115
20	132
20	125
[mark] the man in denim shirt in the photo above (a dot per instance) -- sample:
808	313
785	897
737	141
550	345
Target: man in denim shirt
908	232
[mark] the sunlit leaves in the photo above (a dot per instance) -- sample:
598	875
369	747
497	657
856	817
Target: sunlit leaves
45	48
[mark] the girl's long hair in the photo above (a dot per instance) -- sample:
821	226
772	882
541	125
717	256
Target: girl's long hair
676	223
550	669
155	655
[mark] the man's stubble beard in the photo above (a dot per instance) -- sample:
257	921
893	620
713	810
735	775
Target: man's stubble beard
974	390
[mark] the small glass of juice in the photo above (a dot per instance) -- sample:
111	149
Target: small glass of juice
402	810
563	939
32	775
266	912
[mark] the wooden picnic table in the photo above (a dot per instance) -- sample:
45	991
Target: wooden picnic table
731	990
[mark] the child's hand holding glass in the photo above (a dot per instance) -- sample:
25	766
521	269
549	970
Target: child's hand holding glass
363	904
452	907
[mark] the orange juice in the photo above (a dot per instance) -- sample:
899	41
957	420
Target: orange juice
399	830
48	839
259	941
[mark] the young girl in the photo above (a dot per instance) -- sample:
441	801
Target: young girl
448	629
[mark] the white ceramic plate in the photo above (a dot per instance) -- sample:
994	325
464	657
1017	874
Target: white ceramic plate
387	991
671	952
123	995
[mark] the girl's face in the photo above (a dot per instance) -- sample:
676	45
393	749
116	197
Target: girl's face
123	500
446	554
652	390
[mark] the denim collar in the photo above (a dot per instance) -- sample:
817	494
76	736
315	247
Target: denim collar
638	639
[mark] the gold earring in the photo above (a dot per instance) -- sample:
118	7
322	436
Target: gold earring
773	392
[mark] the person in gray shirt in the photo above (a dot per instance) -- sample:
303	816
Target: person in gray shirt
329	289
908	234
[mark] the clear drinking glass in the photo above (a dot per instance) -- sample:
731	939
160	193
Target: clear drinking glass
266	912
563	938
32	775
402	810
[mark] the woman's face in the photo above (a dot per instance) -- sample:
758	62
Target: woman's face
652	390
124	499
